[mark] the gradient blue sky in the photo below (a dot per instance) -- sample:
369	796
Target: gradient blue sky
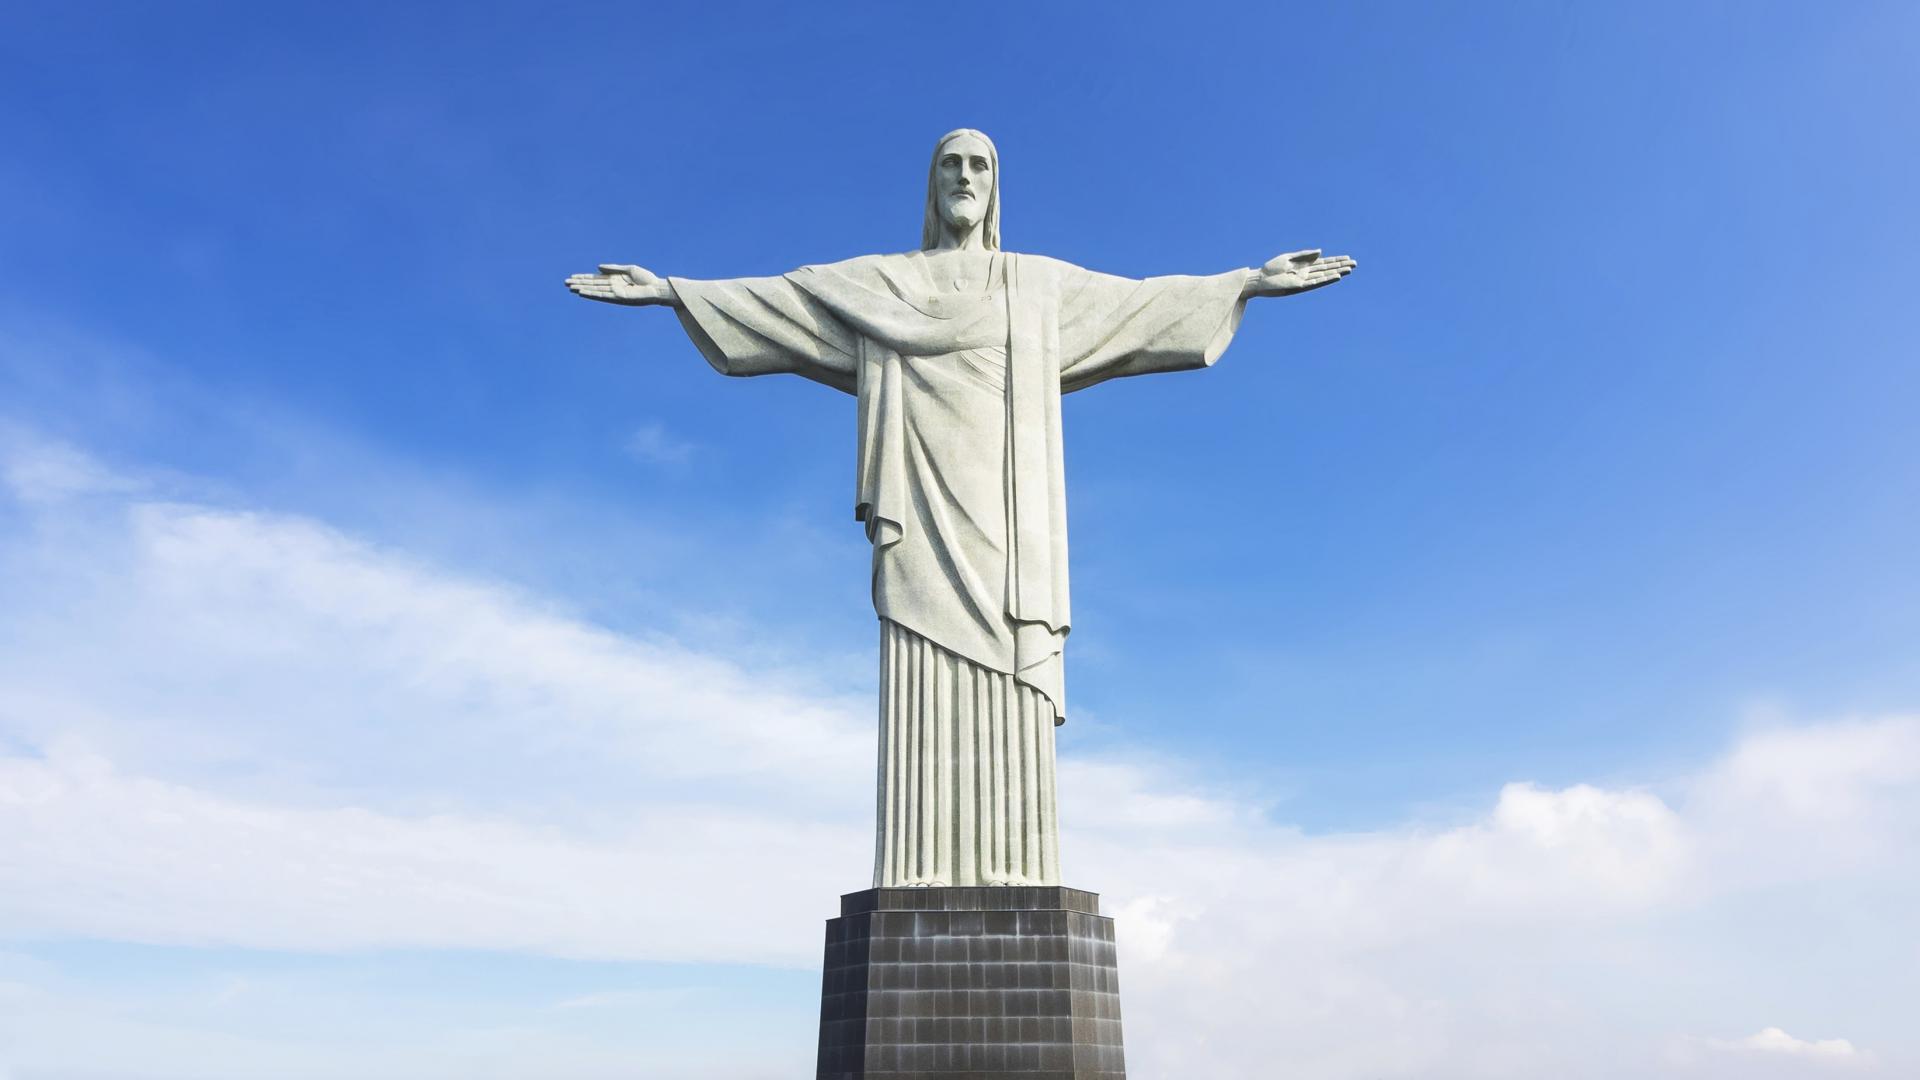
1603	461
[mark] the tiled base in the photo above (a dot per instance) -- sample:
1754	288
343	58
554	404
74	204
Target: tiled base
1014	983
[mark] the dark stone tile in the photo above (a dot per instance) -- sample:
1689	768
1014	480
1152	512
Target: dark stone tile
970	984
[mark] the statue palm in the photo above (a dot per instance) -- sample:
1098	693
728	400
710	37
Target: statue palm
1297	272
622	283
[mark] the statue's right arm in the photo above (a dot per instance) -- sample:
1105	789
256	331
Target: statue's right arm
743	326
621	283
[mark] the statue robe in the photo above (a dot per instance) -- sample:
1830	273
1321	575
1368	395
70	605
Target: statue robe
961	487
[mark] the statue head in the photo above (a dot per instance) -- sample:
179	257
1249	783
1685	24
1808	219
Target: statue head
963	189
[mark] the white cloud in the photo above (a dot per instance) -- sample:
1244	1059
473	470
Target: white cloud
101	855
1775	1041
225	727
1574	932
36	470
653	444
250	729
1773	1054
172	638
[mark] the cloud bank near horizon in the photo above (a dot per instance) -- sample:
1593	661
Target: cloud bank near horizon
227	728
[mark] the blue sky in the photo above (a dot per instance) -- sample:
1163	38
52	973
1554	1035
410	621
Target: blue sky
330	513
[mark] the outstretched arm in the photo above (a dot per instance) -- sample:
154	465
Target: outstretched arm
1112	327
622	283
1294	272
743	326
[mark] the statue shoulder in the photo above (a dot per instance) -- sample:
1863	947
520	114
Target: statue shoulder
863	265
1044	264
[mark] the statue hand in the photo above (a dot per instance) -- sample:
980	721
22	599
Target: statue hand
619	283
1298	271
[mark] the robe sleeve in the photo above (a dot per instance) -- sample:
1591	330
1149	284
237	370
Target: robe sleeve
764	326
1111	326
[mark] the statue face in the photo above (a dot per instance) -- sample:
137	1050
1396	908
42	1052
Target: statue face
965	172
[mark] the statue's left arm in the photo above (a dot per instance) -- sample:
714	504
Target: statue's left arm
1111	327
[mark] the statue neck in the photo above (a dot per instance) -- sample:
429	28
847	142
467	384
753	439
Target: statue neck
974	238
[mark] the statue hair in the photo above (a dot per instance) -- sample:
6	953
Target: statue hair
931	231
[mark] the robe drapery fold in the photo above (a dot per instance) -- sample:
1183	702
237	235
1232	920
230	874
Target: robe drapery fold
960	478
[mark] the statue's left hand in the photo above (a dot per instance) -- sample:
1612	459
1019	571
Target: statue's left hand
620	283
1298	271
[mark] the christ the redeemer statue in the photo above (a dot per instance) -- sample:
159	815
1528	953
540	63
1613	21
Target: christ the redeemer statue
958	354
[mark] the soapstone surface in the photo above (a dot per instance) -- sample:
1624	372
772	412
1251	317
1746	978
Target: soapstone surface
957	354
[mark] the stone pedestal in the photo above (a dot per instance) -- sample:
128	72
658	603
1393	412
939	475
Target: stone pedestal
1015	983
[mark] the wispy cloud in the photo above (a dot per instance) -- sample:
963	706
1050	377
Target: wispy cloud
653	444
628	999
38	470
128	858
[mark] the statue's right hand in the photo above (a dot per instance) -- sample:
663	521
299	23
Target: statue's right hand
621	283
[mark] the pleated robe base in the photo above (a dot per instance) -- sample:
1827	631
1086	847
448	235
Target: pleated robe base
967	793
1008	983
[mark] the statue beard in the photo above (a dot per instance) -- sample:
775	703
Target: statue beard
963	213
